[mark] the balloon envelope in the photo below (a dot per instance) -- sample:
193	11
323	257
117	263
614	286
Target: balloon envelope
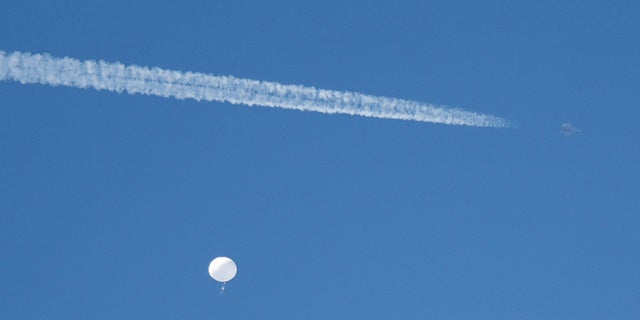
222	269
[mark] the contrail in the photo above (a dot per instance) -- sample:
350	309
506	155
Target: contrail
101	75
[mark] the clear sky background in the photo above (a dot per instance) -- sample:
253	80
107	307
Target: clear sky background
112	205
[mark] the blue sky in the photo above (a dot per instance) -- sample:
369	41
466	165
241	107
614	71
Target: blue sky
112	205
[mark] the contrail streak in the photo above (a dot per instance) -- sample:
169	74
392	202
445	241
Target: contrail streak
101	75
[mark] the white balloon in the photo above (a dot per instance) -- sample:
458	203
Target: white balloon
222	269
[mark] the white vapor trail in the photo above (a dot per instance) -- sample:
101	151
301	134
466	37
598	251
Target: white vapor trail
101	75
